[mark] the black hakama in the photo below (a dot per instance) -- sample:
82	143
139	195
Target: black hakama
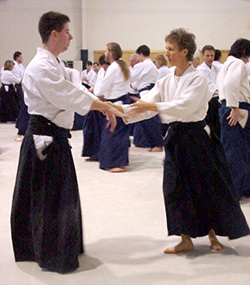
212	119
114	146
8	104
46	214
236	144
92	130
78	122
197	185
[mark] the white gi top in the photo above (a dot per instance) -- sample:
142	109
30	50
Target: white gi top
18	70
211	75
113	84
144	73
163	71
7	77
248	68
233	82
53	91
89	75
178	99
101	74
217	64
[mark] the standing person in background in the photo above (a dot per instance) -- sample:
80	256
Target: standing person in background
198	191
23	116
8	97
46	219
144	76
234	95
113	151
94	121
161	63
211	72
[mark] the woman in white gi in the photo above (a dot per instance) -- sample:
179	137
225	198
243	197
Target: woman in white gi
8	96
161	64
46	219
234	93
113	151
198	192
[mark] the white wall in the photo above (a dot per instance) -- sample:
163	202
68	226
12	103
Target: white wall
19	26
131	23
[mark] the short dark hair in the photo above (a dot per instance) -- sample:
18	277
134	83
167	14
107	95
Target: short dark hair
16	54
97	63
217	54
51	21
102	60
240	48
184	40
208	47
89	62
145	50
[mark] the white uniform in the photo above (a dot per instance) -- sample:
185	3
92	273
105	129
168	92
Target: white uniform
163	71
175	97
217	64
143	74
8	78
58	104
18	70
113	84
233	82
248	69
211	75
89	75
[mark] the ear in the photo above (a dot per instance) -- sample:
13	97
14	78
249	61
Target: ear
53	34
185	52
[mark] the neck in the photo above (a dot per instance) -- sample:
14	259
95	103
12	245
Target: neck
51	48
181	68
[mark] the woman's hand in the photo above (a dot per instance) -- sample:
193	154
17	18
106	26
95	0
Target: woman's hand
140	107
234	117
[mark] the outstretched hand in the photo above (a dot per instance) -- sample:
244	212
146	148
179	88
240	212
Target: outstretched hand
140	107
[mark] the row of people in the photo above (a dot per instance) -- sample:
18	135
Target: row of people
198	191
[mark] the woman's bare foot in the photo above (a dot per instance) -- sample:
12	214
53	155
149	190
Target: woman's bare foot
215	244
117	169
186	245
156	149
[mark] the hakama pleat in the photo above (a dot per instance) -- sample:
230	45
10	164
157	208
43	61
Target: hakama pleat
92	130
148	133
197	185
212	119
78	122
46	214
236	144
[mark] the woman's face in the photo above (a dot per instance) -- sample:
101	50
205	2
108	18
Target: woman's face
174	54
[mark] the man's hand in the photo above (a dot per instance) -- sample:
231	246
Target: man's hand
234	117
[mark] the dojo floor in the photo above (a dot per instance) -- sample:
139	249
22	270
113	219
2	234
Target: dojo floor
124	229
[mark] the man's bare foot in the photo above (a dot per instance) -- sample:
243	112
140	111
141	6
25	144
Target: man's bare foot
186	245
215	244
156	149
117	169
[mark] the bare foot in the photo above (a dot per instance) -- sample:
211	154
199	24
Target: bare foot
186	245
117	169
156	149
215	244
18	138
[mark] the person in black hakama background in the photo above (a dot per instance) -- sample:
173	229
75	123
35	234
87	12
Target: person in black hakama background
198	191
46	220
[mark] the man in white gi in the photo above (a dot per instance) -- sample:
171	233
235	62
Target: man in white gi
211	72
18	69
46	213
87	75
144	76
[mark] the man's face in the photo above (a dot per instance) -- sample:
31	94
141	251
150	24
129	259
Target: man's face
208	57
133	61
19	59
95	68
88	67
174	54
63	38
